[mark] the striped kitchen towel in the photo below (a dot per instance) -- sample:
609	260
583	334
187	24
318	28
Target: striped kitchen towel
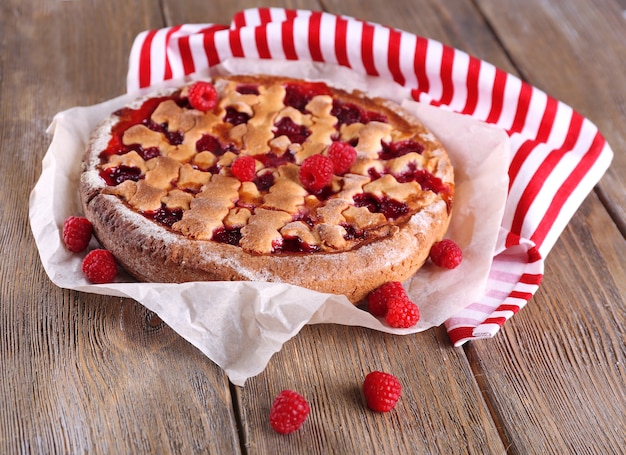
556	157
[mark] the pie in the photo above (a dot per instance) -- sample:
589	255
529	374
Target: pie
266	178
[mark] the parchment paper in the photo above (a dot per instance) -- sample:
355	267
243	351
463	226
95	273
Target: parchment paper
240	325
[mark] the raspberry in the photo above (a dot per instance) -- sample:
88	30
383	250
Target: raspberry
382	391
77	233
99	266
202	96
244	168
342	155
316	172
378	298
401	313
446	254
289	411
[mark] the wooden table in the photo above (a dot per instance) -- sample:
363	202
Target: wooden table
82	373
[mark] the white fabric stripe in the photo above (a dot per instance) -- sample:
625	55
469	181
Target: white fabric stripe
327	37
486	80
248	42
538	103
301	27
157	56
517	187
252	17
354	35
407	58
278	14
460	69
380	45
486	330
198	56
222	45
512	90
274	33
561	125
433	69
555	180
582	189
507	314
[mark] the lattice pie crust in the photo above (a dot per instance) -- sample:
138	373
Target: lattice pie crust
158	187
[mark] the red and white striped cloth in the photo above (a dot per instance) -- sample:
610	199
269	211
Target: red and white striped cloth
557	156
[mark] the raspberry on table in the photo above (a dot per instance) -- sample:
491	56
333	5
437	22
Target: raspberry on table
378	298
382	391
446	254
77	232
202	96
244	168
99	266
401	313
342	155
316	172
288	412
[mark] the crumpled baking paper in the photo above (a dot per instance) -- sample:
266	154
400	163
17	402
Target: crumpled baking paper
240	325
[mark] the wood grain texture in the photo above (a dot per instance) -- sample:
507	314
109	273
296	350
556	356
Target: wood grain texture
555	375
441	409
81	373
222	11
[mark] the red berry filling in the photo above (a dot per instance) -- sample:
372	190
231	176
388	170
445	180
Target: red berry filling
400	148
271	160
116	175
299	95
235	117
296	133
248	89
129	117
294	245
208	143
348	113
166	216
391	208
315	173
229	236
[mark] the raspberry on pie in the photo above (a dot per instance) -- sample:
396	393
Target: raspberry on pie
267	179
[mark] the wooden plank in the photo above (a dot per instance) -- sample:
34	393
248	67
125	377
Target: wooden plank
555	375
222	11
81	373
576	52
441	409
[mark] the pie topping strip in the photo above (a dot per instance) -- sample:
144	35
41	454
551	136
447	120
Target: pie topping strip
273	166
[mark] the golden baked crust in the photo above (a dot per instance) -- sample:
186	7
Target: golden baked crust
157	185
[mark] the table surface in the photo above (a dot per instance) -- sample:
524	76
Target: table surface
83	373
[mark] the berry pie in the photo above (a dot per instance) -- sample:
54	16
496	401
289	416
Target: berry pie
267	178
